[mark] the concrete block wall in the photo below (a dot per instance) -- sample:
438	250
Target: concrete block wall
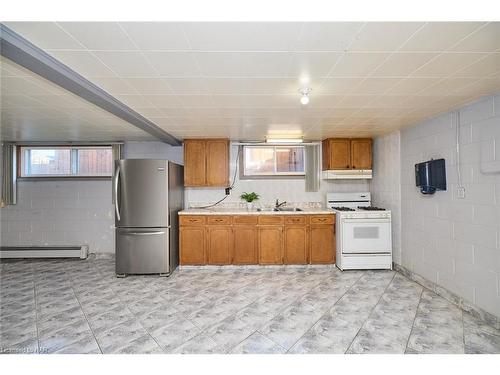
386	183
450	241
51	213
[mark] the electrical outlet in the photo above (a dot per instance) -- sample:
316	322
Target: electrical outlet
461	192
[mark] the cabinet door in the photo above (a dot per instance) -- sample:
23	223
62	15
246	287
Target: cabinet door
340	154
245	244
217	162
219	242
192	245
361	153
322	244
271	245
194	162
296	244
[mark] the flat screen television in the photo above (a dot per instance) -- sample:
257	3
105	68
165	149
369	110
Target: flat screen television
430	176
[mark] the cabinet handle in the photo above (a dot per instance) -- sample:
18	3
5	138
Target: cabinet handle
353	167
347	166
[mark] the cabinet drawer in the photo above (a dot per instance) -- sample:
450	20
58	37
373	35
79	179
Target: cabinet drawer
191	220
271	219
295	220
322	219
245	219
219	220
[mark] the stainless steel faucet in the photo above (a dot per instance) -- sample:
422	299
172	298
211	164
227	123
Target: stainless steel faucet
278	204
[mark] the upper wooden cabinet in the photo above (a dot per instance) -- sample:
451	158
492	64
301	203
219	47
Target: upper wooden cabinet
345	153
206	162
361	153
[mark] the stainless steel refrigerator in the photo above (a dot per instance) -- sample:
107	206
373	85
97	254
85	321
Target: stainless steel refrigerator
148	195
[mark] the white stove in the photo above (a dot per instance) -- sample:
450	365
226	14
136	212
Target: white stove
363	232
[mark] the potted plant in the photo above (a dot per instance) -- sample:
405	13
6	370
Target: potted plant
249	198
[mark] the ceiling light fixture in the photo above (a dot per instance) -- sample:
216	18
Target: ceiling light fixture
284	140
304	95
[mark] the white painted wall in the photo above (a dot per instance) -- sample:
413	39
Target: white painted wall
450	241
386	183
292	190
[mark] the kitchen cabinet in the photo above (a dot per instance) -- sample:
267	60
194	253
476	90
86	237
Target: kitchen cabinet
206	162
257	239
322	244
296	248
192	242
346	154
361	153
271	244
219	244
245	245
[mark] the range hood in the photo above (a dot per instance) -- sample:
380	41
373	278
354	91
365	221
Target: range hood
345	174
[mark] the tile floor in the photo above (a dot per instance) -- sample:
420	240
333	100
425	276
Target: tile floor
74	306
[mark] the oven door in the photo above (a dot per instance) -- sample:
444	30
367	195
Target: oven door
366	236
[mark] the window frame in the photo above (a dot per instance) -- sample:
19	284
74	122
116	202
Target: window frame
274	175
65	177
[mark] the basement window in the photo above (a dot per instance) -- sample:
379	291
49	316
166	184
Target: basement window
272	162
65	161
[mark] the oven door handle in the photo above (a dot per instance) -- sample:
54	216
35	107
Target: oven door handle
366	221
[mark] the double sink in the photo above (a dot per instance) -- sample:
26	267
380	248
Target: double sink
280	209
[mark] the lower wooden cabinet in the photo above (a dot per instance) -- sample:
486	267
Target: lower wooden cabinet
296	245
219	245
245	244
254	239
271	245
322	244
192	245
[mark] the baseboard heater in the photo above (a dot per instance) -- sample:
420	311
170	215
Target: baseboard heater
7	252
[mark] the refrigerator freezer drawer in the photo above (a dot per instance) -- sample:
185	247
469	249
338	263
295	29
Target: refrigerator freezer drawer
142	250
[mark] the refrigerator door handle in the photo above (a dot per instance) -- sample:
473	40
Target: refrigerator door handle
142	233
115	183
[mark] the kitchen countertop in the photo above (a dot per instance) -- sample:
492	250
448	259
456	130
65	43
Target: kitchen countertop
242	211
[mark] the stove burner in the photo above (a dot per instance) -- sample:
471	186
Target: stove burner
343	209
371	208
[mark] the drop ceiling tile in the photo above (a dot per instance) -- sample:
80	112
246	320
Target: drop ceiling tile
411	86
383	36
447	64
163	101
243	64
83	62
242	36
324	101
114	86
312	64
327	36
355	101
483	68
21	86
439	36
448	86
181	86
357	64
45	35
402	64
337	86
127	63
156	36
485	86
149	86
374	86
486	39
196	100
174	64
99	35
